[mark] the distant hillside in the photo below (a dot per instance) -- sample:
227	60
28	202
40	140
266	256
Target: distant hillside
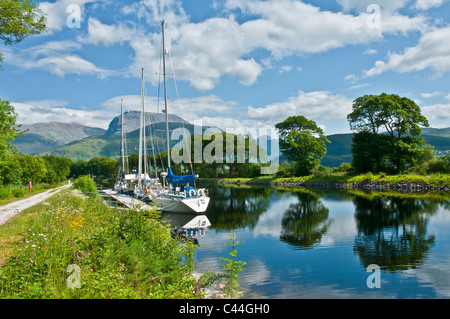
339	150
43	137
131	120
109	146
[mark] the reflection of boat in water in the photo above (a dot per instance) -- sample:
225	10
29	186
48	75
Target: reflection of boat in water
187	225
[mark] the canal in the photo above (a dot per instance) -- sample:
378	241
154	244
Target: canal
319	244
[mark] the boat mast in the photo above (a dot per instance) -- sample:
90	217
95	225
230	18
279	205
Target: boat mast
165	95
122	146
140	135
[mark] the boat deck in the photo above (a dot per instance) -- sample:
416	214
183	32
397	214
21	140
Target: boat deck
128	201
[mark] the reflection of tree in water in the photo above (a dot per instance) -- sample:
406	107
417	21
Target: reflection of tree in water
304	223
237	207
392	231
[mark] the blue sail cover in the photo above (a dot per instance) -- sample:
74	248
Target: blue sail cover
184	179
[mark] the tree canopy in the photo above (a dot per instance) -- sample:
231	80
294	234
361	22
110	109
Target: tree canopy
302	142
387	133
18	20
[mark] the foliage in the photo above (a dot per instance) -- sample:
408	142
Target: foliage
8	132
232	268
302	142
18	20
395	151
58	168
119	254
33	168
99	167
87	185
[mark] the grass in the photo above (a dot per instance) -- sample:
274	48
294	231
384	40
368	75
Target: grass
432	179
117	253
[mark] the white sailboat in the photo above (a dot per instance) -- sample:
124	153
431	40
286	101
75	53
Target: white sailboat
138	183
179	196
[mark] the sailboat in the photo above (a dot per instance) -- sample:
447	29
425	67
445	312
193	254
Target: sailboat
179	196
138	183
124	181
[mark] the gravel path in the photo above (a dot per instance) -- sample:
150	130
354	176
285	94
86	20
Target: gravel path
9	210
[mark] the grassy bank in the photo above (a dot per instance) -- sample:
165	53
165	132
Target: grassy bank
116	253
435	180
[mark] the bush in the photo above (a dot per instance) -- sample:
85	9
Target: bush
18	191
4	193
86	184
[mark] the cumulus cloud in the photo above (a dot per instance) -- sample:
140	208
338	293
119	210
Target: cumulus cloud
316	105
432	52
56	12
204	51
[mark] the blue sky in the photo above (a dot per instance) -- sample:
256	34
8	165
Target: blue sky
237	63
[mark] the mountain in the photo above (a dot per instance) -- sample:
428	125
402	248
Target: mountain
109	146
132	118
43	137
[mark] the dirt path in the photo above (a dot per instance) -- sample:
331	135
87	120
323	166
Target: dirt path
9	210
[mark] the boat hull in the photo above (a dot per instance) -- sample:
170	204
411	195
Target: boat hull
182	205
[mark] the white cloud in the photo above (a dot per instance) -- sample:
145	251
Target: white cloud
437	112
432	52
430	95
447	97
55	57
370	52
428	4
317	106
285	68
43	111
56	12
205	51
107	35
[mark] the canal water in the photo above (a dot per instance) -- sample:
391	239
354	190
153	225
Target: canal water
319	244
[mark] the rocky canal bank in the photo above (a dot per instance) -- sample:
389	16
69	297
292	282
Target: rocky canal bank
402	186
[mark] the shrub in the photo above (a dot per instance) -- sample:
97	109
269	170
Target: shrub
86	185
18	191
4	193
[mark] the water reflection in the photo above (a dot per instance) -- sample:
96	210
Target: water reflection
231	208
309	243
305	222
392	231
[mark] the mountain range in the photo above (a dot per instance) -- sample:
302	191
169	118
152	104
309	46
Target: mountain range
79	142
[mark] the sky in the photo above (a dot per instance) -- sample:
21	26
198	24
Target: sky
237	64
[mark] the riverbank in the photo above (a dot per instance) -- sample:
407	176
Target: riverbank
382	182
71	246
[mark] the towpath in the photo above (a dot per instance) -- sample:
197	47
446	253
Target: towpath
9	210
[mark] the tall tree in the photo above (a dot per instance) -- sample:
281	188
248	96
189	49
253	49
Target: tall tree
302	142
9	130
400	118
18	20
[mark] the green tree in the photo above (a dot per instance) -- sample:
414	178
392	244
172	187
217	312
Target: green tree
18	20
33	168
302	142
400	118
58	168
9	170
